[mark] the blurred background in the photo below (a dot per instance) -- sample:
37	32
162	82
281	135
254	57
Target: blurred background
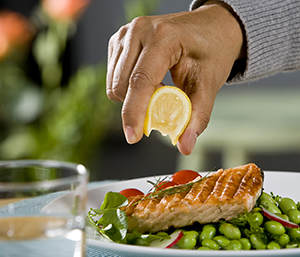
53	103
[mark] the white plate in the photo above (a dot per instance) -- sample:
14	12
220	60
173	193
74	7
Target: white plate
280	183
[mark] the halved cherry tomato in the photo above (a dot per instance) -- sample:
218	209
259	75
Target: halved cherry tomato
165	184
128	192
184	176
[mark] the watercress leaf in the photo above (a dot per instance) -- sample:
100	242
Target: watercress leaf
98	211
131	237
114	224
150	237
113	200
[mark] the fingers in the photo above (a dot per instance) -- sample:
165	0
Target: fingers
140	55
149	71
122	64
115	48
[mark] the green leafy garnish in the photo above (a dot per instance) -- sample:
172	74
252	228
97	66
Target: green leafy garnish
109	220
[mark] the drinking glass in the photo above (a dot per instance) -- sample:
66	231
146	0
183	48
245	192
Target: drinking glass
42	208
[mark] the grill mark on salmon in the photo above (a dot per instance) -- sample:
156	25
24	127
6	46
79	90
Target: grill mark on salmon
223	194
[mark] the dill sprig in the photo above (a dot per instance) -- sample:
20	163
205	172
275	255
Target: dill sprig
156	194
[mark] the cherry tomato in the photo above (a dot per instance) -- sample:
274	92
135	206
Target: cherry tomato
184	176
128	192
165	184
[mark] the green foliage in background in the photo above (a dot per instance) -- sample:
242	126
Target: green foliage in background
52	120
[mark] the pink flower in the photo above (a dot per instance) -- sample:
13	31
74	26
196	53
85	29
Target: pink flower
14	31
64	10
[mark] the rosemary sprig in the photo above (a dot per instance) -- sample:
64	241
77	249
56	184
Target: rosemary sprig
168	191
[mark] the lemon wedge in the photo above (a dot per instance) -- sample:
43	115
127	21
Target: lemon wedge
169	112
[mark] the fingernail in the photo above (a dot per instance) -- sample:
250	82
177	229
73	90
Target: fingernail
130	135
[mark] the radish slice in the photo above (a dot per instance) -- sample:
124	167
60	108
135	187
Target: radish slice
274	217
168	243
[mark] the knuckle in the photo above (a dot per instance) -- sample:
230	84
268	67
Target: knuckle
140	78
117	91
157	28
161	28
110	94
139	22
118	36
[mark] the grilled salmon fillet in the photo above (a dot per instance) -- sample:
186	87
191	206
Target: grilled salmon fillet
223	194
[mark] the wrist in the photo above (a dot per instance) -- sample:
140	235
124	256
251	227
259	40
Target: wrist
243	47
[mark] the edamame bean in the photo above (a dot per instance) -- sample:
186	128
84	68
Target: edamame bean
270	206
163	234
235	245
256	219
274	227
294	215
230	231
294	233
266	196
246	245
222	241
194	233
291	246
188	241
209	226
256	209
283	240
285	204
207	233
273	246
284	216
210	244
257	242
204	248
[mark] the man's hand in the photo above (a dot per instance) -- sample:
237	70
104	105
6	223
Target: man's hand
198	47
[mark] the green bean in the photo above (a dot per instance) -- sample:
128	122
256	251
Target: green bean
284	216
188	241
294	215
207	233
162	234
204	248
246	244
257	242
273	246
210	244
291	246
235	245
256	209
294	233
256	219
270	206
283	240
274	227
222	241
193	232
266	196
285	204
230	231
209	226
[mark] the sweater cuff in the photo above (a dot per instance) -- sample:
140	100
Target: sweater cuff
272	35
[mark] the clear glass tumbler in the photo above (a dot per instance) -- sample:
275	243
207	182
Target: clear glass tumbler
42	208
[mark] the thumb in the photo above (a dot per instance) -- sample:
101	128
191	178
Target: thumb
202	97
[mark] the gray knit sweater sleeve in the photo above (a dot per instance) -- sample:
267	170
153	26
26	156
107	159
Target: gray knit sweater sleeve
272	30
